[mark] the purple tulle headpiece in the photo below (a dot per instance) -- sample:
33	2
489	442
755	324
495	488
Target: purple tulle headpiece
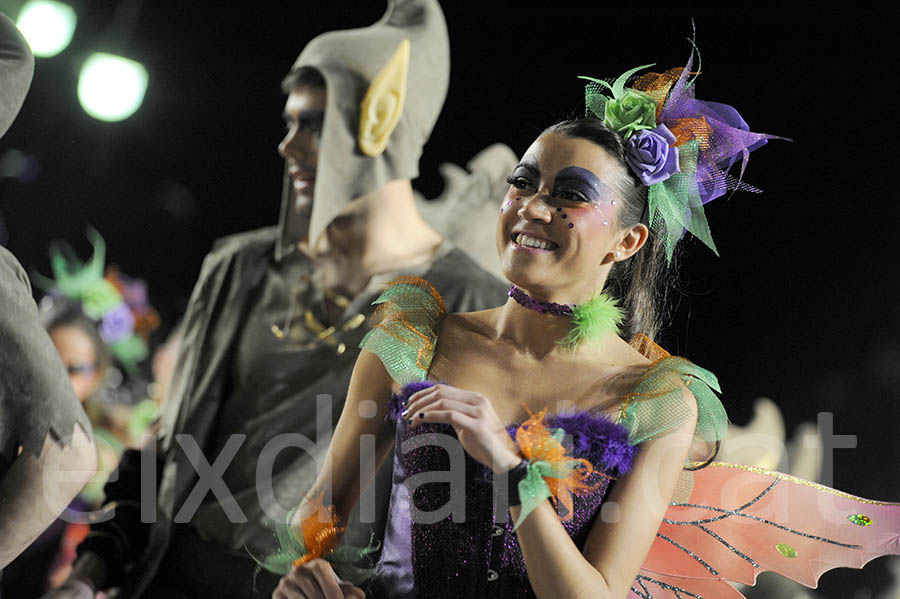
680	147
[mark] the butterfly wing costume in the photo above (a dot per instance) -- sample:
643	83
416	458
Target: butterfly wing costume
728	523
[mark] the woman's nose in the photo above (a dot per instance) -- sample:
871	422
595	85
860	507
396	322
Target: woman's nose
536	208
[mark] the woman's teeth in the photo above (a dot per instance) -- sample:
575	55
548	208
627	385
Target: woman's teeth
541	244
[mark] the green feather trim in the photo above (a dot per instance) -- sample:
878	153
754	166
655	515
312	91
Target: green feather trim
593	320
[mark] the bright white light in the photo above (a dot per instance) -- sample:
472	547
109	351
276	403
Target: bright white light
47	26
111	88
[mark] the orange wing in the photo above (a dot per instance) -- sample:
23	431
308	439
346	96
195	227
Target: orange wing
742	520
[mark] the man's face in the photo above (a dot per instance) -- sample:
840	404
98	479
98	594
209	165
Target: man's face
304	113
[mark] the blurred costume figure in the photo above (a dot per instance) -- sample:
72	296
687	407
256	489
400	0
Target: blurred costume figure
273	327
42	424
99	321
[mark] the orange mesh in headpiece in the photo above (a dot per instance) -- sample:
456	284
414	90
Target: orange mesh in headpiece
687	129
657	86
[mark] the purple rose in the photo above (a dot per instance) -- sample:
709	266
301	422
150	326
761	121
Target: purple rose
651	156
117	324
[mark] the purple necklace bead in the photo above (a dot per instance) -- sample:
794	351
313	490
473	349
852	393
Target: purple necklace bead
526	301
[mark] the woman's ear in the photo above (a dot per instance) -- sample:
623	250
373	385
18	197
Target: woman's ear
383	103
633	240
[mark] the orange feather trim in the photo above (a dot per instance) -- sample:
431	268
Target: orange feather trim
538	445
319	537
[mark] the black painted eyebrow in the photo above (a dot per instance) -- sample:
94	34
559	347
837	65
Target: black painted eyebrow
528	166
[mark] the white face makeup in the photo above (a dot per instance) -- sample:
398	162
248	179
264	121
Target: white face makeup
557	222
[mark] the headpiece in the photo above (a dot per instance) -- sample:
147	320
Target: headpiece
116	302
680	147
399	65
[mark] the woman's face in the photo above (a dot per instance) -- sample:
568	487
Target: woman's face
557	230
77	351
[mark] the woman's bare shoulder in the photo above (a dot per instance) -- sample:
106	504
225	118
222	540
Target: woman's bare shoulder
464	324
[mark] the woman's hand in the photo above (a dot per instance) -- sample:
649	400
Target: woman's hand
473	418
313	580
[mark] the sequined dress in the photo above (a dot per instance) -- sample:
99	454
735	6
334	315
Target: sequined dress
447	539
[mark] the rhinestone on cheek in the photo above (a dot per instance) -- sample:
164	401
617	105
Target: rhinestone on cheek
605	223
571	225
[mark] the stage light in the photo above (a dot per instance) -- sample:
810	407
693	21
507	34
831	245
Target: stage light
47	25
111	88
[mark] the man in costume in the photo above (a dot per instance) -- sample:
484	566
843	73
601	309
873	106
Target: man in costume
276	317
46	450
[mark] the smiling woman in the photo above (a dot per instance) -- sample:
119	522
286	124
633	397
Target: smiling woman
595	208
565	207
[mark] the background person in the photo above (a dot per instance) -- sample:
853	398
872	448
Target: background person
47	453
276	316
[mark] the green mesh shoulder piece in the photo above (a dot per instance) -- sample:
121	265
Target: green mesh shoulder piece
404	334
657	403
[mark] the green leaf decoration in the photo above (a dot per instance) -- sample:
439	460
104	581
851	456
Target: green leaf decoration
786	550
675	206
73	277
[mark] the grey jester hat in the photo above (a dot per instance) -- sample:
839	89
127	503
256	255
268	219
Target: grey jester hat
386	85
16	70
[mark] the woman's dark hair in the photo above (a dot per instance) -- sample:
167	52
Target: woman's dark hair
66	313
302	77
642	281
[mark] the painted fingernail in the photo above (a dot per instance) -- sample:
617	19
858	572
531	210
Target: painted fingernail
421	415
404	413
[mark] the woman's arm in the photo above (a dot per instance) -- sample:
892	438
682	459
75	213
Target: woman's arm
615	550
363	415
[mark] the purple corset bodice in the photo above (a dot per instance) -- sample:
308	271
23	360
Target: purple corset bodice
449	532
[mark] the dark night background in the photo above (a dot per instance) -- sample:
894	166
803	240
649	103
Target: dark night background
801	307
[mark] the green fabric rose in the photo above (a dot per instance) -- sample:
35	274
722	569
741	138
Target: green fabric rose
99	298
628	110
632	112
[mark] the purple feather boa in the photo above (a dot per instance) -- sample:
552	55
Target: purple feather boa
593	436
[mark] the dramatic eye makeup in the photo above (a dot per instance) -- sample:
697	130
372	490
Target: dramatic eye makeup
579	184
526	175
307	120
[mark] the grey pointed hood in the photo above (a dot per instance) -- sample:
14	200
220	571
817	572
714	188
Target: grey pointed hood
348	60
16	70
